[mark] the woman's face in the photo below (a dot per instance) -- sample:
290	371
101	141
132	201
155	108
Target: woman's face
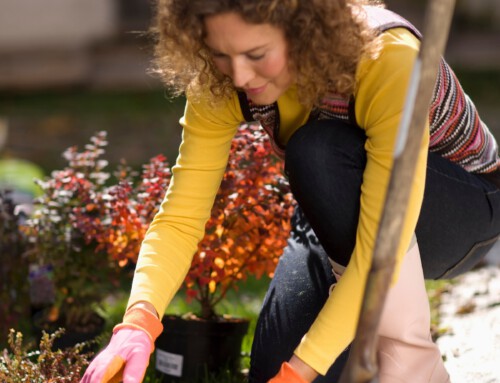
254	56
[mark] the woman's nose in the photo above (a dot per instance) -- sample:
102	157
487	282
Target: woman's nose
242	73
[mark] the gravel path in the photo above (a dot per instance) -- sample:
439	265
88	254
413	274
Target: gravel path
470	314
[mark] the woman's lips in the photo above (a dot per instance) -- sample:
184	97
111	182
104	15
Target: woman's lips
255	91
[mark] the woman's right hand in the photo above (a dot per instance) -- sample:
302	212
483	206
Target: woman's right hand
124	359
127	355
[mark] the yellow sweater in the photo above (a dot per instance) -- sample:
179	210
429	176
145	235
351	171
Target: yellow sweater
172	239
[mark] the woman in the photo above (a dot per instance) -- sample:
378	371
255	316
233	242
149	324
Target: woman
327	79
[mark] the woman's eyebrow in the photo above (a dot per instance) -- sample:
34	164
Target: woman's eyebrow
250	51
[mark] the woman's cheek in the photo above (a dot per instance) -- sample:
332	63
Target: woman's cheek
277	69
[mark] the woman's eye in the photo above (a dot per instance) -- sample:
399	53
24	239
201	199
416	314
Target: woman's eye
218	55
256	57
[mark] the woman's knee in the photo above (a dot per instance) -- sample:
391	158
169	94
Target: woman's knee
318	146
325	161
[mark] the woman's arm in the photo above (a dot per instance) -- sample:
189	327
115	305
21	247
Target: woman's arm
173	236
379	103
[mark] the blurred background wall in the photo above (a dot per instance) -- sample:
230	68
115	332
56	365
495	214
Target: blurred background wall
53	43
71	67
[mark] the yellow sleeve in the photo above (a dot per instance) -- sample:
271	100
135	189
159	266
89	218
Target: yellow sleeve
379	104
172	238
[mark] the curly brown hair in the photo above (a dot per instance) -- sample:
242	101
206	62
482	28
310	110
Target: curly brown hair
326	41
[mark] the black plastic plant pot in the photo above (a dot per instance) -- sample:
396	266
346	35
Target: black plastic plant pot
190	349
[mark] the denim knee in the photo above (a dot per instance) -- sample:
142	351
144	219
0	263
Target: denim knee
324	162
316	141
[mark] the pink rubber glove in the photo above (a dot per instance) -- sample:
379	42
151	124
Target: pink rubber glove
287	375
127	355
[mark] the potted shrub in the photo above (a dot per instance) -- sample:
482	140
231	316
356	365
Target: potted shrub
86	227
245	235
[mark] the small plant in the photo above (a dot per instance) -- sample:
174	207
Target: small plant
21	364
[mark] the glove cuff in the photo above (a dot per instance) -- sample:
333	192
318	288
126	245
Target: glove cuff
288	374
141	319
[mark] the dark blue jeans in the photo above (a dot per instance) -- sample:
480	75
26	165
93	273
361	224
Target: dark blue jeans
458	224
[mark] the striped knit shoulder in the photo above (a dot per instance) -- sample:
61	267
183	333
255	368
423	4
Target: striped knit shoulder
456	131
